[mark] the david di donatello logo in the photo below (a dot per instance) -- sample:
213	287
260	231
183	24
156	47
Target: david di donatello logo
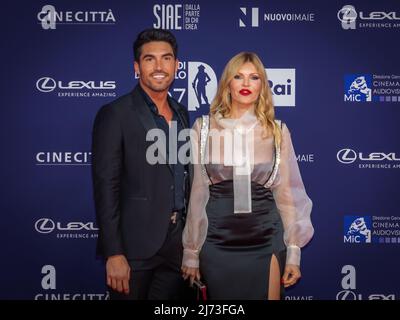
195	84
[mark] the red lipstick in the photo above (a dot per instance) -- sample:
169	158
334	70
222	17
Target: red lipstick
245	92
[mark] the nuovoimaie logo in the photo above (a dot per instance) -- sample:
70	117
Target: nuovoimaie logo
357	87
357	229
244	19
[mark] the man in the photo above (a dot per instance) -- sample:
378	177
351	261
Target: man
139	205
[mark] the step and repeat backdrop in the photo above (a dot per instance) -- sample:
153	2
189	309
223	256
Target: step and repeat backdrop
335	74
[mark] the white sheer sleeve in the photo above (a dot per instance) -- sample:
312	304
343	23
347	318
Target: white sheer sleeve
292	201
195	231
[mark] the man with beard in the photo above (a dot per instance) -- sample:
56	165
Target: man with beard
139	203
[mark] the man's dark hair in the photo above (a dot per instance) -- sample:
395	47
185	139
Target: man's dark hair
150	35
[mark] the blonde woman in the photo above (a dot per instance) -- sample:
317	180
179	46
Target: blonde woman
249	213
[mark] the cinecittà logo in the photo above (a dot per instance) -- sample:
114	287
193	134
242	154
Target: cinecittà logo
49	17
49	285
63	158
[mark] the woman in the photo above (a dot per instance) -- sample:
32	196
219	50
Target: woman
249	213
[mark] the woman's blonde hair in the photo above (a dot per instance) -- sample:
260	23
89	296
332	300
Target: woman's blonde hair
264	107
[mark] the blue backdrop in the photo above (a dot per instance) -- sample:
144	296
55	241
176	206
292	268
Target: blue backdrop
335	74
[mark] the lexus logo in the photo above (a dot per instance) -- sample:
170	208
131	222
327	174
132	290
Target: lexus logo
46	84
346	156
347	14
346	295
45	225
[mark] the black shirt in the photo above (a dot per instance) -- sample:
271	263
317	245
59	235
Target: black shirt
178	169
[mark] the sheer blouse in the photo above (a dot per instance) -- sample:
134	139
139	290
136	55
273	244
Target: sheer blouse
255	159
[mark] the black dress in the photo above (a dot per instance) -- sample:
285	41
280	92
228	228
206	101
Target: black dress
236	255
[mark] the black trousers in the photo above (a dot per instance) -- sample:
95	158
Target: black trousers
158	278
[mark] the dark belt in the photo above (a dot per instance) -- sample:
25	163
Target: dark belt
176	215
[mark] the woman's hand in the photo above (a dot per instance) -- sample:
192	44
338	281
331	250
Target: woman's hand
191	273
291	275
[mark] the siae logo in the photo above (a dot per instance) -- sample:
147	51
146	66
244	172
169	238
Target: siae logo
168	16
176	16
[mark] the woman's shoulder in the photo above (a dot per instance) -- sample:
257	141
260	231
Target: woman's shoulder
281	124
198	122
